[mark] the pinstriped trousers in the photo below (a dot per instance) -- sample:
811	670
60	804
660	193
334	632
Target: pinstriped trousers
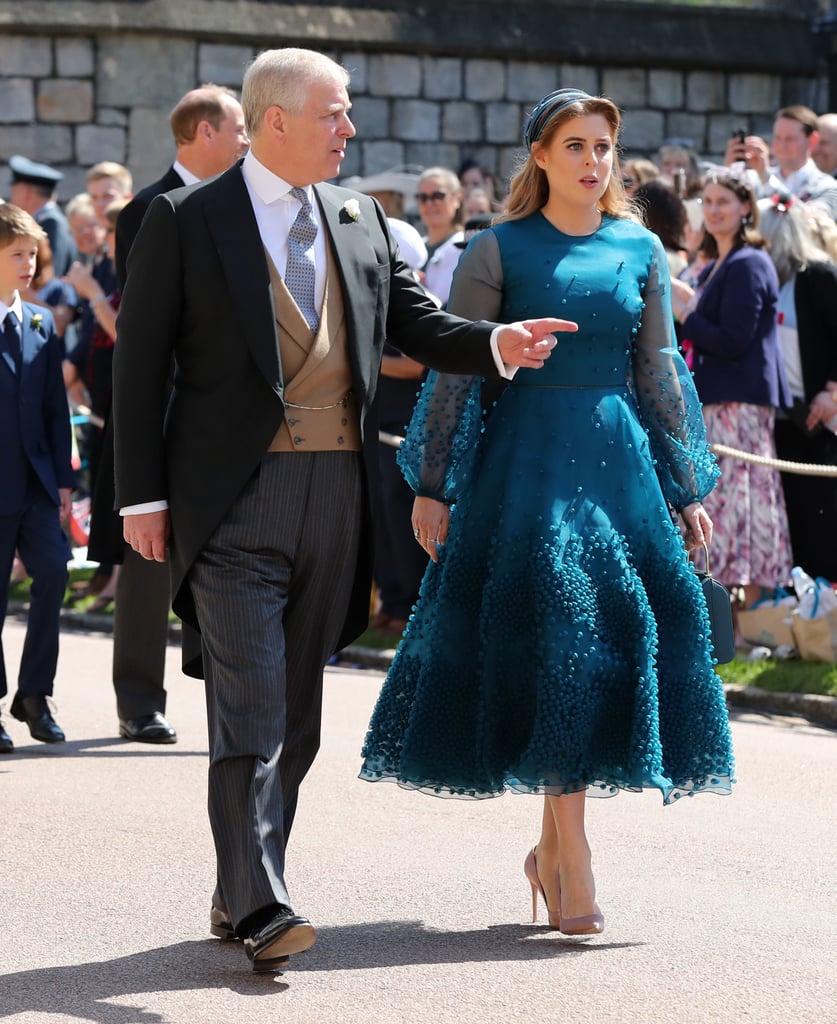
271	588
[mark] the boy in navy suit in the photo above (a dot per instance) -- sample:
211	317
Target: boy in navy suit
36	476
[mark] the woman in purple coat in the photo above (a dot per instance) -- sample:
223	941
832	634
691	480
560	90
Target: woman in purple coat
740	378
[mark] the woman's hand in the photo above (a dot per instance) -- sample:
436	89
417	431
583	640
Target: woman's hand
430	524
698	526
682	298
822	409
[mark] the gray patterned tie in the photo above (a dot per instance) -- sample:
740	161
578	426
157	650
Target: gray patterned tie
299	274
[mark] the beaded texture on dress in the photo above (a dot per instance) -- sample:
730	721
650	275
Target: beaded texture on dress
562	641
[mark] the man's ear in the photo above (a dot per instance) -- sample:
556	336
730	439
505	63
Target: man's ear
275	121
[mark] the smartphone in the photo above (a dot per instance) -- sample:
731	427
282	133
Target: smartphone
739	134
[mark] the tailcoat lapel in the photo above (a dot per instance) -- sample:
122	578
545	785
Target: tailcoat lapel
233	226
353	255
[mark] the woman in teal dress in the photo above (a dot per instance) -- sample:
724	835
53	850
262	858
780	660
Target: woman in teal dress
560	645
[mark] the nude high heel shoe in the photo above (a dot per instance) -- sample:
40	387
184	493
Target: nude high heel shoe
584	924
530	869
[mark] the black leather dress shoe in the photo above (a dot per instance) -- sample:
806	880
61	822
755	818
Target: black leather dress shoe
34	710
220	925
270	946
148	729
6	745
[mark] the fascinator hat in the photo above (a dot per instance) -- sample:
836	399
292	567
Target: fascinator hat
548	107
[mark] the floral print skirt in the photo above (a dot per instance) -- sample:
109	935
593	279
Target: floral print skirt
750	543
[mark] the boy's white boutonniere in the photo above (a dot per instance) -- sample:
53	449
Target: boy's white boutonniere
36	321
352	208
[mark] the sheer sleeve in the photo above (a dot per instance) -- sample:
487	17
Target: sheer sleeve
667	399
438	453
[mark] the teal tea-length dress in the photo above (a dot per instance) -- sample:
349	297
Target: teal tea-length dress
561	641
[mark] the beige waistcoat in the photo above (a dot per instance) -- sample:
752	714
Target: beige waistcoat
316	371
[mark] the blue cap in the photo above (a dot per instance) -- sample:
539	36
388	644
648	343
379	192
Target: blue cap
30	173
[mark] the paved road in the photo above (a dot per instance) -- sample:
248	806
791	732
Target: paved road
719	909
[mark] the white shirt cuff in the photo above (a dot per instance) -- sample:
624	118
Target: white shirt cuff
144	508
505	370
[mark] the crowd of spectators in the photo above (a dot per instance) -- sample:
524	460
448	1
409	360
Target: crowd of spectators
751	244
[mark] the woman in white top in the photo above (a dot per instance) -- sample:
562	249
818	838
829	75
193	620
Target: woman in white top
439	198
807	314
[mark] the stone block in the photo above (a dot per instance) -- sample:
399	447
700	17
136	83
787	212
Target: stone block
579	76
665	89
442	78
95	143
357	66
380	156
755	94
462	122
109	116
721	126
627	87
74	57
485	80
144	71
680	125
48	143
352	162
433	154
371	117
509	160
416	120
65	100
705	90
484	156
503	122
17	100
394	75
643	130
223	65
150	144
26	55
529	82
807	91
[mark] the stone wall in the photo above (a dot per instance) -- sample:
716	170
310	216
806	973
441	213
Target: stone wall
75	92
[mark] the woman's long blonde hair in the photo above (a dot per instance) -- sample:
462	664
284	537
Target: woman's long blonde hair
529	189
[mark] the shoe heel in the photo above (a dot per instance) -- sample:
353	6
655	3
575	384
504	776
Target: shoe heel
534	903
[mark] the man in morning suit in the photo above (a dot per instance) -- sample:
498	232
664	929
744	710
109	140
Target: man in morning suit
208	129
35	469
274	294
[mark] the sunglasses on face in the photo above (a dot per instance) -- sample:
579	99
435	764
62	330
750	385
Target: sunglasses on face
429	197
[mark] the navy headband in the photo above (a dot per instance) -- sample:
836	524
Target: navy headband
548	107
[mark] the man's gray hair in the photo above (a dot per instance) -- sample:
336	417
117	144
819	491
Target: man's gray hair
281	78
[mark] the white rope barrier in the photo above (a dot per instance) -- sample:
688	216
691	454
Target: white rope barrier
781	465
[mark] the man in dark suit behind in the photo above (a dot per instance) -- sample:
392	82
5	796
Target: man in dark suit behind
208	129
261	475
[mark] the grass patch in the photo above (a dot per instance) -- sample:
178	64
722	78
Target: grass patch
74	597
379	639
782	676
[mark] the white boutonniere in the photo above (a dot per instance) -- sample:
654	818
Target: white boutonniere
352	208
36	321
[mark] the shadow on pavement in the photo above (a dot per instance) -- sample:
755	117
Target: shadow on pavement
84	991
109	746
376	944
